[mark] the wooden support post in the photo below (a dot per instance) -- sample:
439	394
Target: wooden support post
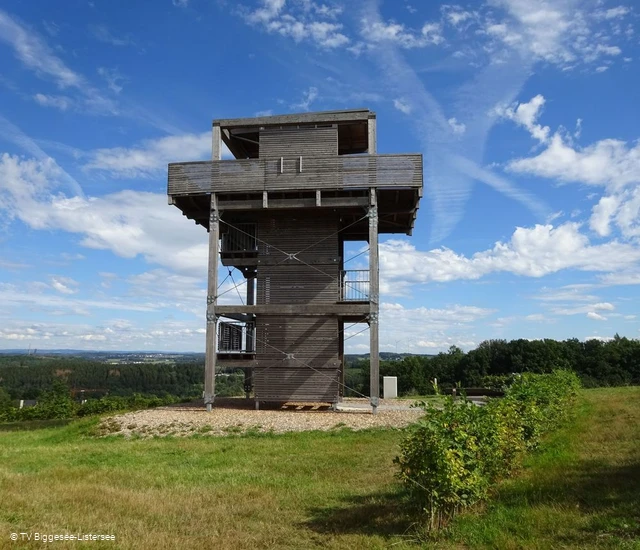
248	372
371	127
374	303
216	143
212	298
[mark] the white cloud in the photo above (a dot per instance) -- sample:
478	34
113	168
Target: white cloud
72	257
396	33
625	278
567	293
113	78
596	316
114	334
57	101
180	3
558	32
536	317
300	21
531	252
64	285
308	98
456	16
526	114
425	329
608	162
622	209
103	34
600	220
4	264
37	297
129	223
402	106
150	157
458	128
35	54
583	309
613	13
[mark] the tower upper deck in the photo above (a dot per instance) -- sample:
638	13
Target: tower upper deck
307	160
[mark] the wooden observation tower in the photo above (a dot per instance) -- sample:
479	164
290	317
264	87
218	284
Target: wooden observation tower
300	186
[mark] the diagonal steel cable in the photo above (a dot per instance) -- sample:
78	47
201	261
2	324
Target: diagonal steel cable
303	363
236	286
277	362
332	234
294	256
354	257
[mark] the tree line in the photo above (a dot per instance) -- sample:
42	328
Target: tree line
597	363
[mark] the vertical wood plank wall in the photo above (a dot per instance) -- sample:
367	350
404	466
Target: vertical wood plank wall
298	356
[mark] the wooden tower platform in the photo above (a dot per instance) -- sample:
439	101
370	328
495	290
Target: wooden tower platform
300	186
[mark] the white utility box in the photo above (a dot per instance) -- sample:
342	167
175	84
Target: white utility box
389	387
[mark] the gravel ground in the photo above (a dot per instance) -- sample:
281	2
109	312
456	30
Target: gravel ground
237	415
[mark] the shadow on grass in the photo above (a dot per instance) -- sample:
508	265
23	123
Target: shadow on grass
383	514
608	494
27	425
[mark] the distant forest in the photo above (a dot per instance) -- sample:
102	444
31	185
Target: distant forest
597	363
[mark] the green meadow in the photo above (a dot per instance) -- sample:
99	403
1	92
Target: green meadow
312	489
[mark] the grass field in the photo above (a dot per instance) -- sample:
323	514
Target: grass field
306	490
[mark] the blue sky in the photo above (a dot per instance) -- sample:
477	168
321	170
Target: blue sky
526	114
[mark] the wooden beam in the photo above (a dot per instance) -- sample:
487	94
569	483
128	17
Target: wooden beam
313	260
275	204
242	317
320	117
237	363
297	309
374	304
212	291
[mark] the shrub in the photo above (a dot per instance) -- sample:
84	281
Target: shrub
59	404
450	457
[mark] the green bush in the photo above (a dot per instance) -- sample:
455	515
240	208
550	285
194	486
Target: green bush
451	456
59	404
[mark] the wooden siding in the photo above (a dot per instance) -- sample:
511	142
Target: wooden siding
296	385
298	284
296	142
310	237
287	280
297	359
287	346
254	175
311	340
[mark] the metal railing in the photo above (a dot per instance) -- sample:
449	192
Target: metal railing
236	337
240	238
354	285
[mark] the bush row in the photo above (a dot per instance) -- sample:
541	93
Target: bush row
58	404
451	456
